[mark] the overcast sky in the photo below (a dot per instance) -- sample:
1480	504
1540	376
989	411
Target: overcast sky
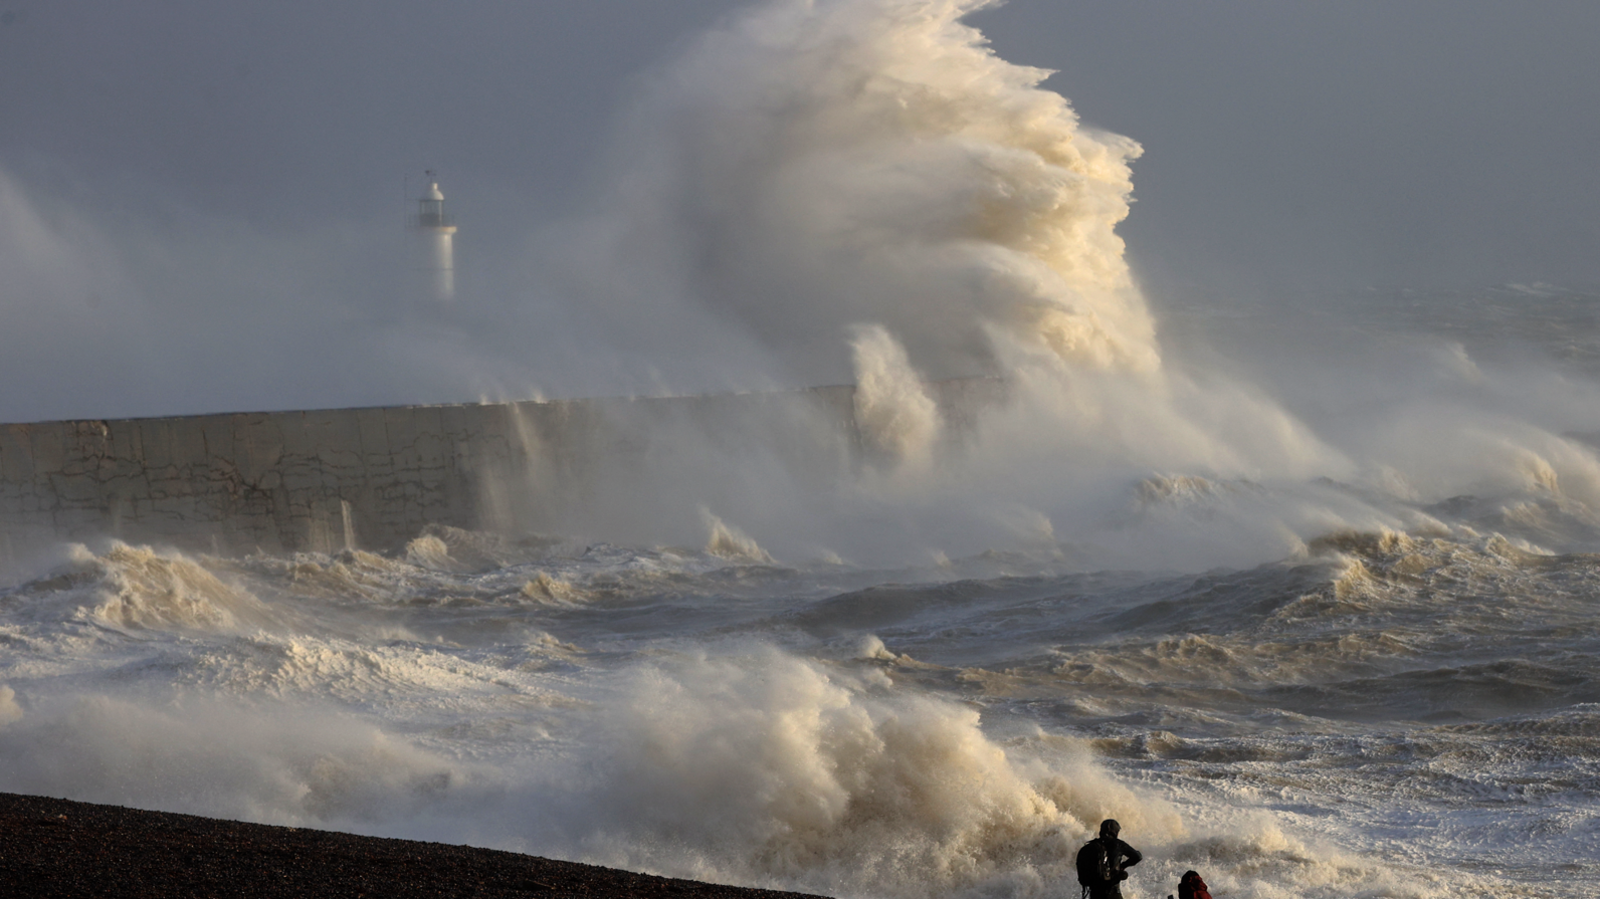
1288	146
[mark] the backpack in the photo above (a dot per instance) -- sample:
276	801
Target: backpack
1095	865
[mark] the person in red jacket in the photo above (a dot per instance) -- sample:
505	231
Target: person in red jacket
1192	887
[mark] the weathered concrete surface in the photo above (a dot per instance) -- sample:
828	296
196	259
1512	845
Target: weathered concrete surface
333	479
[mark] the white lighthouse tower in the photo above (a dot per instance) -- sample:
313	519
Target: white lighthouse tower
437	253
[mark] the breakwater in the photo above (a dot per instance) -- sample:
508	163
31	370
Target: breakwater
325	480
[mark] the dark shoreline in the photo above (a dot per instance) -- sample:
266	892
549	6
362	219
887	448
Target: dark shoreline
61	848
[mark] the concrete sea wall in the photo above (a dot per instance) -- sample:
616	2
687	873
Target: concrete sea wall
374	478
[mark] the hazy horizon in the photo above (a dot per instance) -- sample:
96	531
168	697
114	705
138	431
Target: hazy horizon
201	207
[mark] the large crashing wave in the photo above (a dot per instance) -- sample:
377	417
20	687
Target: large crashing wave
809	166
866	192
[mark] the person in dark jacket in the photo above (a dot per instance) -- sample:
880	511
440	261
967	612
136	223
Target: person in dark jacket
1122	857
1192	887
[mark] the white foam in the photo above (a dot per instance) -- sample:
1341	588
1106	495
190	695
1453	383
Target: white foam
897	418
772	769
806	166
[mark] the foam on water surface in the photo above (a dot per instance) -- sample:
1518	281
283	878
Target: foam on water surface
1371	721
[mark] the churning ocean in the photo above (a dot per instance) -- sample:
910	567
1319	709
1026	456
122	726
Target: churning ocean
1303	594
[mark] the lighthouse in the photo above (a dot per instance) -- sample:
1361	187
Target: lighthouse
437	252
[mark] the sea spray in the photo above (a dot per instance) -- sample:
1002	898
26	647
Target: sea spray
770	768
867	191
896	418
729	542
810	165
194	754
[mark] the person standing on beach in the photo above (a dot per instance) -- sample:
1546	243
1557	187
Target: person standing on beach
1103	863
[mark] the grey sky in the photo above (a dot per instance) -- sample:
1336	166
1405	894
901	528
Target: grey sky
1289	146
1410	141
